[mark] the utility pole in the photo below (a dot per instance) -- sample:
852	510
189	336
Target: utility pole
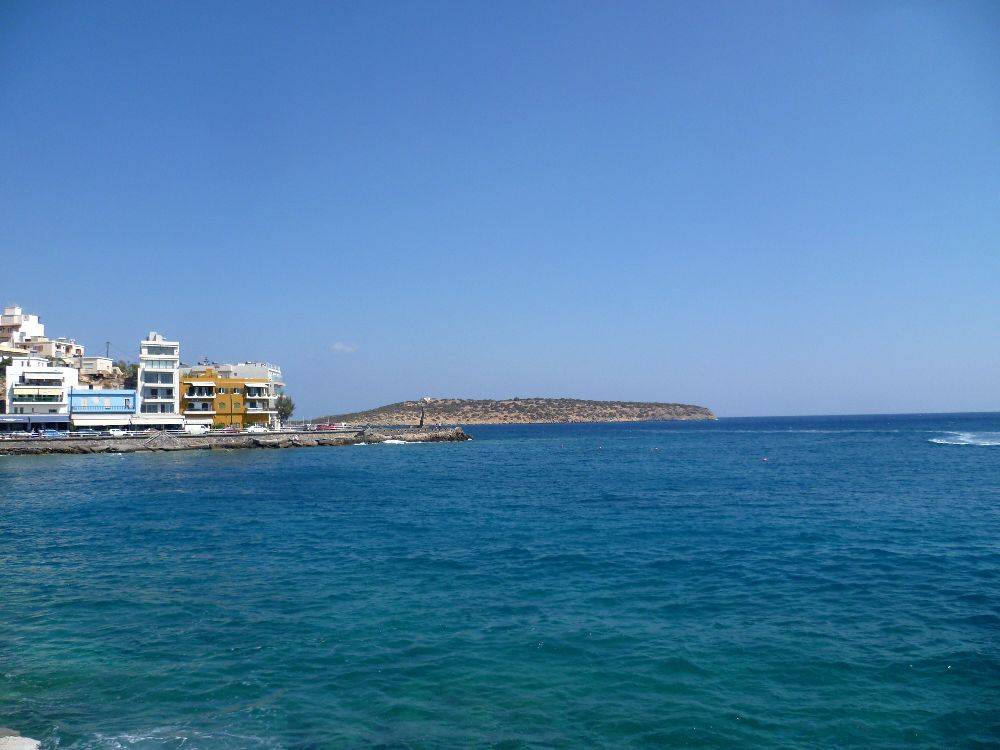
107	350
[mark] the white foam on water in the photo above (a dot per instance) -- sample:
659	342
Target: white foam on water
968	438
394	442
171	739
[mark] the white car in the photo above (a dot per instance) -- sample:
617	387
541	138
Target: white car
256	428
117	433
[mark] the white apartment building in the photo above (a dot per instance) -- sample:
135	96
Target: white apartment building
15	326
27	333
96	366
63	349
38	394
158	386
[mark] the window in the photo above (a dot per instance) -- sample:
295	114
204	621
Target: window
236	404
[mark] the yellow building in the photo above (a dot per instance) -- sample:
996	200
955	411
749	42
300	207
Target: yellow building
212	399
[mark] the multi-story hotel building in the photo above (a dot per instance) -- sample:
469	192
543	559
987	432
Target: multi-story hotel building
38	394
238	395
158	383
217	399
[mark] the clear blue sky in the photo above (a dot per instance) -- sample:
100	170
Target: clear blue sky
765	208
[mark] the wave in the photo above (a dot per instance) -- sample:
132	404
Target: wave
171	738
968	438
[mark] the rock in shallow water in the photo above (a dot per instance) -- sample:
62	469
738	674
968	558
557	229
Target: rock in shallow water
15	742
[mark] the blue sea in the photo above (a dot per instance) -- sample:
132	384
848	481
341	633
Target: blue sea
567	586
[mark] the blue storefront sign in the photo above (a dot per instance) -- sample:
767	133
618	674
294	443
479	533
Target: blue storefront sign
33	421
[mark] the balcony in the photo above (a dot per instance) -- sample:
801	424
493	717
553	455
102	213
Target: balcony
199	412
154	409
24	394
150	352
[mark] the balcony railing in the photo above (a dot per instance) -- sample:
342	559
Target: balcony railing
102	410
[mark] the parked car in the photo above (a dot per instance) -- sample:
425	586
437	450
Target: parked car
51	434
117	433
256	428
231	428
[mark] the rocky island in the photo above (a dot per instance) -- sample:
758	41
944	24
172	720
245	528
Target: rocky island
520	411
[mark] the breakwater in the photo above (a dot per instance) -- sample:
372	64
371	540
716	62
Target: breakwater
165	441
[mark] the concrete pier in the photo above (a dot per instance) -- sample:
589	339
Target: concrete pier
172	441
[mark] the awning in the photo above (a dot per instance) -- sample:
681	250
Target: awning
25	390
101	420
6	419
49	418
185	381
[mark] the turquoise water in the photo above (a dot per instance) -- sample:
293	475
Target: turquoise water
653	585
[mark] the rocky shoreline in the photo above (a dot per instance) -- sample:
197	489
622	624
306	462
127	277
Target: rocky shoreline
163	441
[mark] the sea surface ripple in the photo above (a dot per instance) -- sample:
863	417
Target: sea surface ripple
645	585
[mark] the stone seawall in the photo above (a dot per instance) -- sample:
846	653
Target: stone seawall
163	441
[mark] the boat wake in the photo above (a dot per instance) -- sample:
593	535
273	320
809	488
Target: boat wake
968	438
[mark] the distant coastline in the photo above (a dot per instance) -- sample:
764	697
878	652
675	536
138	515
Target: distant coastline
520	411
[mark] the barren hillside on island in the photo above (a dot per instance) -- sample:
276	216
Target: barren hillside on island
520	411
